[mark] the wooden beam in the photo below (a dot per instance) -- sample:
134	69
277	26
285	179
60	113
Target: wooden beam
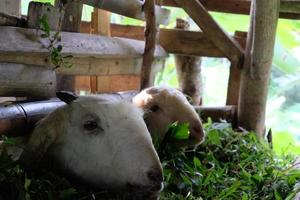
9	20
289	9
17	80
218	36
257	70
132	8
92	55
172	40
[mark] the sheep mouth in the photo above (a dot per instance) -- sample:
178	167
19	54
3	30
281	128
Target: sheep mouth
147	192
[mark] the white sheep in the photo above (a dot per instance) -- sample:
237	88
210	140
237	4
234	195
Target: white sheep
163	106
105	144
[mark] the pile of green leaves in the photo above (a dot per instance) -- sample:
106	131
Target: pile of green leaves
228	165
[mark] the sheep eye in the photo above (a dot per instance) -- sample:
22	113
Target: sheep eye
154	108
91	125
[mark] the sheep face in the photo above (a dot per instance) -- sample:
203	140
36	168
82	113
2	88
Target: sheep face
164	106
104	144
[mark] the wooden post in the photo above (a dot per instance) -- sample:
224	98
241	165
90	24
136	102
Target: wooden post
100	26
256	73
37	10
150	42
188	70
11	7
234	80
71	23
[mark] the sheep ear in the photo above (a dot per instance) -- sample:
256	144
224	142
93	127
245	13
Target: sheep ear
152	90
67	97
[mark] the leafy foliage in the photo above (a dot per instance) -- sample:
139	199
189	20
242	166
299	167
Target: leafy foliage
54	47
229	165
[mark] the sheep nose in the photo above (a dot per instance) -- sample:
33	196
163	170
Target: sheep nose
197	133
155	176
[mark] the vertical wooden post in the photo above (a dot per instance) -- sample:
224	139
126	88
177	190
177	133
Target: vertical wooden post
100	26
234	80
256	72
71	23
188	70
150	42
11	7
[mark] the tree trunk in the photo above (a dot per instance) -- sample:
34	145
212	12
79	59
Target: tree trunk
188	70
256	73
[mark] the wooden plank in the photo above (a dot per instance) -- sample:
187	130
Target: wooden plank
132	8
100	26
218	36
101	22
173	40
257	70
235	74
188	43
82	83
116	83
289	9
11	7
17	80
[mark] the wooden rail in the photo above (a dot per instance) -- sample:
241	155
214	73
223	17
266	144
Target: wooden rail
92	55
289	9
132	8
172	40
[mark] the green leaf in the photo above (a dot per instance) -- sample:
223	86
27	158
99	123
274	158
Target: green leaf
197	162
27	183
214	138
231	190
178	131
9	141
277	195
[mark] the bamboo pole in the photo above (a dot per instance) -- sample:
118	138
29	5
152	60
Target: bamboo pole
150	41
18	119
257	68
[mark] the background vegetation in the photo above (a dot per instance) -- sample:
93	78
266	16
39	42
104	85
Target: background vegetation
283	110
